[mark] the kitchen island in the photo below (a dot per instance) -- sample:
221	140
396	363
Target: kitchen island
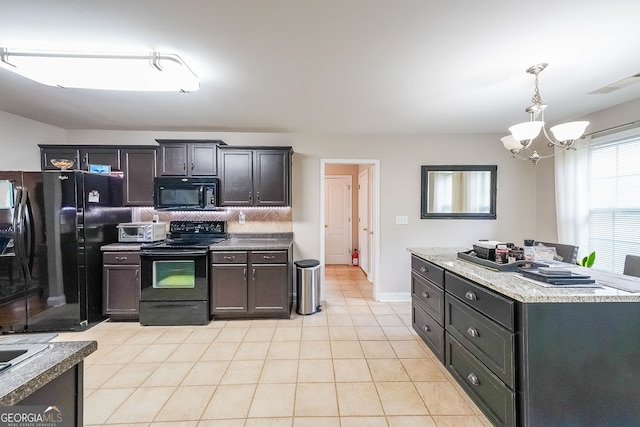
528	354
53	377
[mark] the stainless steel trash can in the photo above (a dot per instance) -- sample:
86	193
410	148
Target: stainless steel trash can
307	286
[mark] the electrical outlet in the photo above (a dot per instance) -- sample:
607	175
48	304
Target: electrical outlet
241	218
402	219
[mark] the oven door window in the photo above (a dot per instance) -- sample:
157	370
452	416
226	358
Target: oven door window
174	274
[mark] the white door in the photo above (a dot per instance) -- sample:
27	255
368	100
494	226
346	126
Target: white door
337	216
363	220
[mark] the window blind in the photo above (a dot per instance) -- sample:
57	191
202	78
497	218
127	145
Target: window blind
614	207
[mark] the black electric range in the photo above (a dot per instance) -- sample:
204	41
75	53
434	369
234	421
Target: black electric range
174	280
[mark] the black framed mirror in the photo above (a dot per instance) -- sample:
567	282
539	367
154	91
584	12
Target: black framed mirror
458	191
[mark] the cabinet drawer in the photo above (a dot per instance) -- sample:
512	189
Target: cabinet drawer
429	295
268	257
488	341
118	258
496	400
428	329
484	300
428	270
228	257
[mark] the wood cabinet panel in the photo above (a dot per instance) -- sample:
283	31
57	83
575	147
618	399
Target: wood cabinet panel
188	157
236	177
255	177
428	329
100	156
121	285
139	167
228	289
48	153
268	288
250	283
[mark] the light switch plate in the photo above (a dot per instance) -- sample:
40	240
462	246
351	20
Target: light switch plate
402	219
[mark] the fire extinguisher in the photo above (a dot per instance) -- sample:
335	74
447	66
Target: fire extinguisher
354	258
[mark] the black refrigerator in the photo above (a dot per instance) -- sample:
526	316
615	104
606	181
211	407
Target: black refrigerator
51	280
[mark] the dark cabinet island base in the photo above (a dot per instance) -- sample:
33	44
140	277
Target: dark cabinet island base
529	355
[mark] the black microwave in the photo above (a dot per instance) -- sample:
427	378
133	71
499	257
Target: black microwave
175	193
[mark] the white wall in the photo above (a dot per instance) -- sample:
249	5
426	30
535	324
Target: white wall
19	139
400	160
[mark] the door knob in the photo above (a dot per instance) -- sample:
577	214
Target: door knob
326	226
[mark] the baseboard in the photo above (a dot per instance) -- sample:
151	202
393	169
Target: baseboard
394	296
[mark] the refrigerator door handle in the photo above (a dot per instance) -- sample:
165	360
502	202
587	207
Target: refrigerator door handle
20	234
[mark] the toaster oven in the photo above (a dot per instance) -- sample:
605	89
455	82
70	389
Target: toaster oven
142	231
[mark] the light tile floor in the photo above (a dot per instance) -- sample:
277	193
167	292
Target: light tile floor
356	363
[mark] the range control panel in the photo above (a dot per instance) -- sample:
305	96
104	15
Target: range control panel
197	227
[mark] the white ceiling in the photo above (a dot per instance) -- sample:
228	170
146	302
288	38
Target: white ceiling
333	66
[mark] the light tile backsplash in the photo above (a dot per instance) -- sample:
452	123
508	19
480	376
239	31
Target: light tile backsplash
257	220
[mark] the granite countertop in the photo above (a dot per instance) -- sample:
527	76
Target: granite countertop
18	382
612	287
239	242
255	241
117	247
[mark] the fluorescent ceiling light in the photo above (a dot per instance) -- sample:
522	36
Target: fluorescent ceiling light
144	72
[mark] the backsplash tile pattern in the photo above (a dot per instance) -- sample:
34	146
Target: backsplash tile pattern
257	220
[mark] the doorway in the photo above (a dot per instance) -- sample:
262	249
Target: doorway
364	224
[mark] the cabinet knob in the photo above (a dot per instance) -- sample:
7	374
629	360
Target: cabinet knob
470	296
473	332
184	166
364	229
425	295
250	196
257	195
244	274
426	328
121	258
423	269
473	379
268	257
191	166
229	258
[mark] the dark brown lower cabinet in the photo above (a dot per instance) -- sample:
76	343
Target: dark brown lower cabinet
121	285
250	284
530	364
65	393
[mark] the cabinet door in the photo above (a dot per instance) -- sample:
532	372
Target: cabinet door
172	159
56	152
228	289
236	178
100	156
121	290
268	288
139	166
203	159
271	177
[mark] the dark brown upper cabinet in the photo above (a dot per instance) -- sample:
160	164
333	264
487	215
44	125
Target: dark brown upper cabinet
139	167
82	156
137	163
255	176
188	157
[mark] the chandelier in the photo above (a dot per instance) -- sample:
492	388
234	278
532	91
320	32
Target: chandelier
522	134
